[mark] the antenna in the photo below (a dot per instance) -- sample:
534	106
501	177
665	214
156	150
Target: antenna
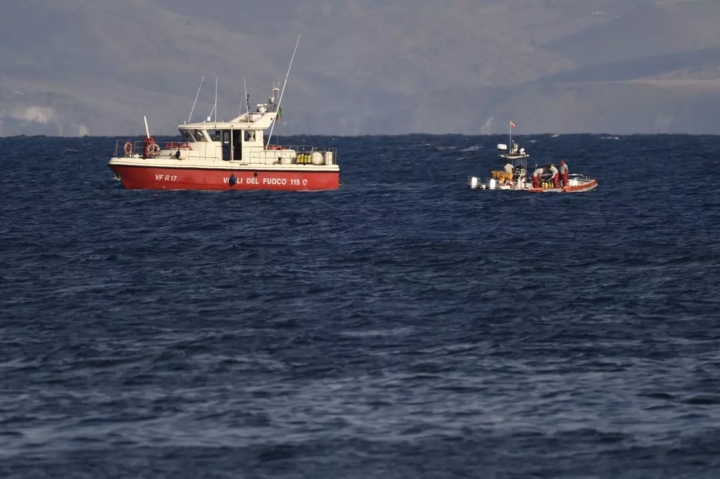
246	97
215	107
196	97
283	91
275	90
247	104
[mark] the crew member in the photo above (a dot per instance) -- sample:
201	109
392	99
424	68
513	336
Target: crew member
536	177
509	167
147	152
564	173
554	174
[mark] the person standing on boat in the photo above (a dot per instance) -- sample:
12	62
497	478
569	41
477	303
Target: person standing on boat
536	177
564	173
508	173
554	173
509	167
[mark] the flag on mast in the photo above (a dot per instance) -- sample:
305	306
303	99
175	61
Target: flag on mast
512	125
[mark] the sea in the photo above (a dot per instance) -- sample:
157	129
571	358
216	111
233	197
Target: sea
402	326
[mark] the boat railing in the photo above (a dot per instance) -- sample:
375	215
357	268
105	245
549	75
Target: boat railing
578	176
272	155
301	148
546	175
304	153
172	145
142	149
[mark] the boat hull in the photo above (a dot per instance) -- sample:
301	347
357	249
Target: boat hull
168	178
515	157
585	186
575	187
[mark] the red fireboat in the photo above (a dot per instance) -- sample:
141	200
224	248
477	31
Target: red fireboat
226	155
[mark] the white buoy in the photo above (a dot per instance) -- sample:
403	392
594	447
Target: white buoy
317	158
328	158
492	183
473	182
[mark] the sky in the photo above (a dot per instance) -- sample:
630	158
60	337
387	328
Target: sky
363	67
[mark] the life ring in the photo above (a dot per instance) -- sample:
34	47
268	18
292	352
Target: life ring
128	149
152	149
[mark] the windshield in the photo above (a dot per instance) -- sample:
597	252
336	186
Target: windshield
187	136
198	135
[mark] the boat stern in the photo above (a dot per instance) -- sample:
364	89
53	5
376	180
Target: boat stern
476	183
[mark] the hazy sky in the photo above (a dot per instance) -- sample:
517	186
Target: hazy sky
73	67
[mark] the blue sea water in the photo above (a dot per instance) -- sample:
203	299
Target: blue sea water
402	326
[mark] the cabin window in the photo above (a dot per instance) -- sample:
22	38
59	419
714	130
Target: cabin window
198	134
250	135
214	135
187	136
237	147
226	147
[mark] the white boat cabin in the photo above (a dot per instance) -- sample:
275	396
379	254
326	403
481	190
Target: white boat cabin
240	141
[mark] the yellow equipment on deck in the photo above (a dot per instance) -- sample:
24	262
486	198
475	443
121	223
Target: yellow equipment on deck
502	175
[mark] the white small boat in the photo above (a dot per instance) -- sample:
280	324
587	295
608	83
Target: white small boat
514	152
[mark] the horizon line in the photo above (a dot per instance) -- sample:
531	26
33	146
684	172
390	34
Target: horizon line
382	135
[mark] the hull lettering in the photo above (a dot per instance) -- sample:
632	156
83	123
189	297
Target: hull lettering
160	179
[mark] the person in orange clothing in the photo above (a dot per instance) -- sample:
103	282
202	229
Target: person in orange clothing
564	170
536	177
554	175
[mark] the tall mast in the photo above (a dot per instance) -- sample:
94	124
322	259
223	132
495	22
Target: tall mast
196	98
246	100
510	145
283	92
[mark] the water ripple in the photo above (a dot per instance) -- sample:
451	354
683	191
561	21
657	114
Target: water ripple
402	326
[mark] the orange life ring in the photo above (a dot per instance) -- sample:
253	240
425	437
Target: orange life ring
128	148
152	149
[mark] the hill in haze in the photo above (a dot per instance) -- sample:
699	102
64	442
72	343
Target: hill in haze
75	67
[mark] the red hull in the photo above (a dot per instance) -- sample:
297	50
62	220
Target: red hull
149	178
